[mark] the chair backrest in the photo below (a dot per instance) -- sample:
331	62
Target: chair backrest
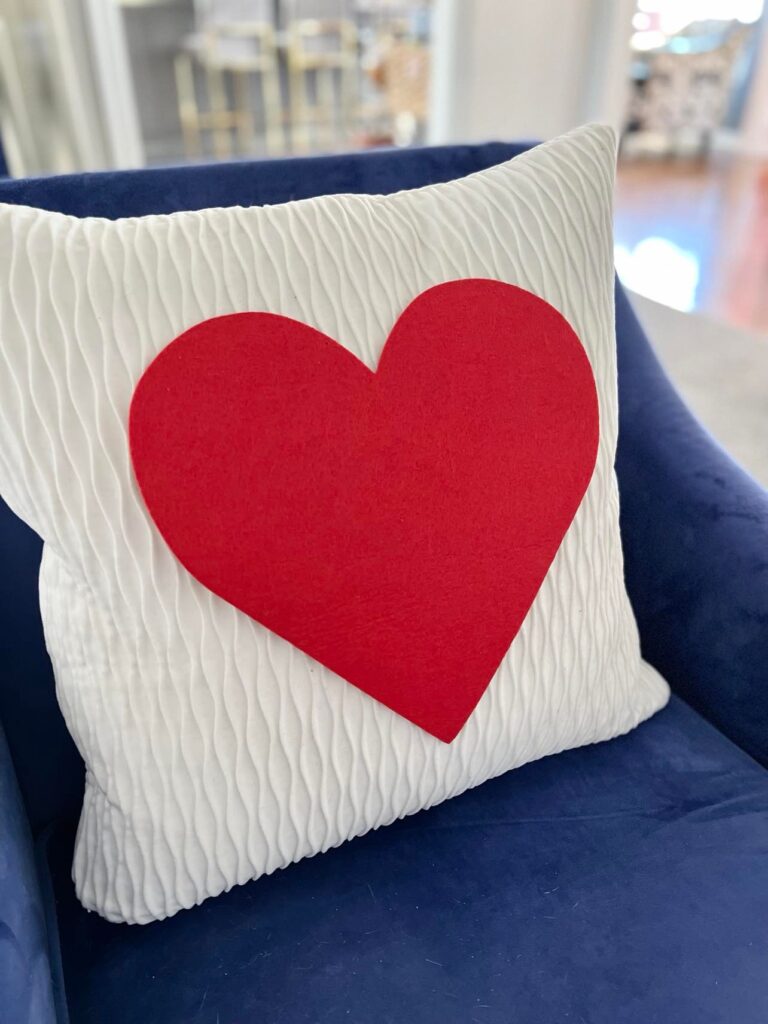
218	12
49	770
320	9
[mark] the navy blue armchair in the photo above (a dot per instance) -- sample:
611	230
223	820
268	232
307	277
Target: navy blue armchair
622	883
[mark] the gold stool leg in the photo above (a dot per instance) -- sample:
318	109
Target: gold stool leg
220	118
298	106
348	99
189	114
243	113
326	104
273	113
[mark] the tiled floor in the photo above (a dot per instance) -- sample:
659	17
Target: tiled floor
693	235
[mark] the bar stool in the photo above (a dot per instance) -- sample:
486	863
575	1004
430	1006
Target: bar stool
236	51
321	50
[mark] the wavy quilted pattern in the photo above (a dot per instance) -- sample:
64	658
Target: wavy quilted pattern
215	751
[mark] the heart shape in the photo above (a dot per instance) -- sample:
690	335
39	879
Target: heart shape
395	525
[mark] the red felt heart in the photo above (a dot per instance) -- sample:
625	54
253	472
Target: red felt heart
396	525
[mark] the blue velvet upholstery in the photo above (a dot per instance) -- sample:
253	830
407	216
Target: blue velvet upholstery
624	882
695	533
26	984
198	187
48	767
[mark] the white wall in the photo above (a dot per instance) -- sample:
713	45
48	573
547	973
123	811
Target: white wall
527	68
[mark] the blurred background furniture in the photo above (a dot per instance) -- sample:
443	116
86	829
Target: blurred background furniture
265	76
232	60
323	66
143	82
400	67
682	89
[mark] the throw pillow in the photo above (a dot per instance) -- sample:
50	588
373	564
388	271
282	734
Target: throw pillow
329	510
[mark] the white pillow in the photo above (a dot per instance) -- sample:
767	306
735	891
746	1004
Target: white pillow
215	751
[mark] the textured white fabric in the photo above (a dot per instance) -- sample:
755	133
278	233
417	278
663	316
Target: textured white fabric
216	751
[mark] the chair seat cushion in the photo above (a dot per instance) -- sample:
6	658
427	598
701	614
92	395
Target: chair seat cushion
622	883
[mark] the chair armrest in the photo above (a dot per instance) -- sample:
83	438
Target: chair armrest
695	533
25	975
